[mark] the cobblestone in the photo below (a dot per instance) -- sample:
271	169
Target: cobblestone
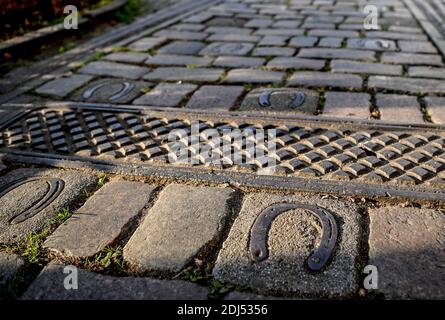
427	72
365	68
101	220
127	57
337	54
273	51
417	46
407	84
185	74
347	104
146	44
401	108
330	42
412	59
320	79
300	42
182	47
49	285
10	266
281	63
254	76
371	44
179	60
238	62
62	87
406	245
215	97
166	95
112	69
227	48
178	226
436	108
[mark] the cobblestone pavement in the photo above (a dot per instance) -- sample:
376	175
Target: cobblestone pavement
353	175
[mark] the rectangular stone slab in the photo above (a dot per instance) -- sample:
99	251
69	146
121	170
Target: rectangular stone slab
407	247
101	219
17	202
49	285
183	220
292	238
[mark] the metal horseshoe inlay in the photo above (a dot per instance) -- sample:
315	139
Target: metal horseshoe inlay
259	233
126	87
55	185
264	99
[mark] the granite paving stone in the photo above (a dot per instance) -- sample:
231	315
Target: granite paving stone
127	57
427	72
279	32
436	109
182	47
178	226
181	35
238	62
17	201
395	35
281	100
179	60
254	76
348	66
273	51
218	37
414	85
259	23
113	69
321	79
215	97
347	104
146	44
62	87
399	108
325	53
49	285
185	74
330	42
407	247
292	238
371	44
101	220
227	48
283	63
166	95
412	59
300	42
273	41
417	46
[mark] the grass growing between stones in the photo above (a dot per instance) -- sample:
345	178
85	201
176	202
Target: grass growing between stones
129	12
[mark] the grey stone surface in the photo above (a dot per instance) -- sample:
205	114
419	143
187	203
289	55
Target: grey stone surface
347	104
395	35
322	79
436	109
292	238
417	46
49	285
287	24
113	69
179	60
414	85
185	74
273	41
227	49
300	42
62	87
427	72
182	47
10	265
2	167
327	53
166	95
412	59
279	32
22	198
399	108
146	44
233	38
259	23
215	97
273	51
281	63
330	42
183	220
366	68
254	76
109	90
181	35
333	33
101	220
127	57
371	44
407	247
238	62
248	296
229	30
281	101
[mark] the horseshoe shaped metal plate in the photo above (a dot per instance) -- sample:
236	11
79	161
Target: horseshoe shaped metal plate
264	99
126	87
55	185
259	233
